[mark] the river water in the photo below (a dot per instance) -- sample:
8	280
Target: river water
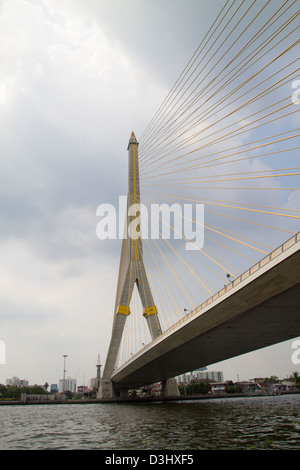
237	423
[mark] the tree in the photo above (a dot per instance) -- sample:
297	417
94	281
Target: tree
13	391
69	394
3	391
194	388
295	377
35	390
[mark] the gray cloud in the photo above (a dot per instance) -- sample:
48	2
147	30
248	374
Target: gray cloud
79	76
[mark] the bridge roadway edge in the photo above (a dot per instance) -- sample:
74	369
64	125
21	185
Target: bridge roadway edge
261	310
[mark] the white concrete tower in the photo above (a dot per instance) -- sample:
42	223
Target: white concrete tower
131	271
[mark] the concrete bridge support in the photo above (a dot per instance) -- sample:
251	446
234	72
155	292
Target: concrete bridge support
170	388
131	271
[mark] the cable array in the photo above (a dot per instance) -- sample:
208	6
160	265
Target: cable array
225	138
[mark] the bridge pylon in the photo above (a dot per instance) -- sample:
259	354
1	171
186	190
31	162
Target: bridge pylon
131	271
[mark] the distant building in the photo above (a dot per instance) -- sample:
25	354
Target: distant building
218	388
209	375
53	388
156	389
185	378
258	380
94	383
248	386
200	374
17	381
67	385
288	383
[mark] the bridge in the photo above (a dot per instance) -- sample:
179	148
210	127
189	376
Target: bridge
260	308
222	278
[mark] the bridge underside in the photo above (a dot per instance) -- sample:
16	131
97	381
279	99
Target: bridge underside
244	322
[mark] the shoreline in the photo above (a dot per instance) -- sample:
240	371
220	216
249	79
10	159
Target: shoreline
140	400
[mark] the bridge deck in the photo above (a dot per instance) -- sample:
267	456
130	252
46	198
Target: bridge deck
258	309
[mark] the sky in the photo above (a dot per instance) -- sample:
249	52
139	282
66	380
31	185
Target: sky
76	78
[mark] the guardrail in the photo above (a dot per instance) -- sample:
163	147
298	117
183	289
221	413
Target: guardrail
256	267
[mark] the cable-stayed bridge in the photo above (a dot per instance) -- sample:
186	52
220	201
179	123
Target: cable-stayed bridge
216	273
258	309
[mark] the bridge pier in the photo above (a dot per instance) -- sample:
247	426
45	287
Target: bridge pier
170	388
131	271
106	389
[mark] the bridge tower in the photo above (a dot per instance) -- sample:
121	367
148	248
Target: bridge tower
131	271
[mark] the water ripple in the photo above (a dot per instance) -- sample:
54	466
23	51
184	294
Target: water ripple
240	423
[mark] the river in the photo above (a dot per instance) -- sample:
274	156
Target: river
236	424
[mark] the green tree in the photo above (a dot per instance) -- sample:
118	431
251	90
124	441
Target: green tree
3	391
69	395
231	388
37	390
13	391
295	377
194	388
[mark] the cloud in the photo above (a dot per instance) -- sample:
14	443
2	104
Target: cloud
79	77
71	99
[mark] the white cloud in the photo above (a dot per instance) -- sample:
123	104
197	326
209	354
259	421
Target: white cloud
79	77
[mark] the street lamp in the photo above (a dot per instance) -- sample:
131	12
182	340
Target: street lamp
64	356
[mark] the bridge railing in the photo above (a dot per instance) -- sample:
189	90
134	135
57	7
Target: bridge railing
260	264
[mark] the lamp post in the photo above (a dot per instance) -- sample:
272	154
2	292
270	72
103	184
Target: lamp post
64	356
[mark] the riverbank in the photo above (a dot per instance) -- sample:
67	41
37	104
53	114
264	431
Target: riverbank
138	400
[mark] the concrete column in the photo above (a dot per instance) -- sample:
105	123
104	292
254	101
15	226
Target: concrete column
170	388
131	271
106	389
